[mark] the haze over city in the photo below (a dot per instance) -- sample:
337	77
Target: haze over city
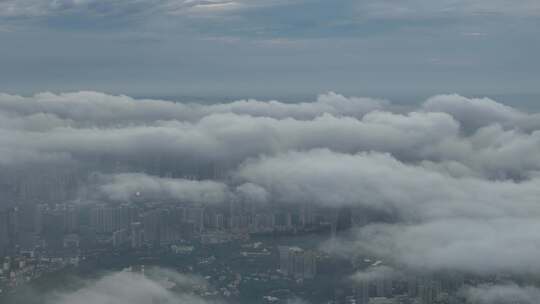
300	151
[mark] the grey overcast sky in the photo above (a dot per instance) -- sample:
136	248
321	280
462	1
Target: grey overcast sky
274	48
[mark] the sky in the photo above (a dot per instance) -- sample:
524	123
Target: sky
289	49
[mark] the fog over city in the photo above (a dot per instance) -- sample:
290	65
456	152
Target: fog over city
269	152
454	181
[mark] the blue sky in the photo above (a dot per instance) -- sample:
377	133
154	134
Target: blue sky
271	48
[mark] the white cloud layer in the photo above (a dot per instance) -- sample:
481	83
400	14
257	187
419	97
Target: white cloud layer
453	176
95	108
379	181
376	273
75	124
126	186
473	246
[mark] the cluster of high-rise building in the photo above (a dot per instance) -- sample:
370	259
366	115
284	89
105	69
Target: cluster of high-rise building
297	262
8	226
403	289
33	225
58	227
46	237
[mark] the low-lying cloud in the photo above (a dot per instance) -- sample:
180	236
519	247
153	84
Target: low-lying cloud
458	178
127	186
472	246
381	182
133	288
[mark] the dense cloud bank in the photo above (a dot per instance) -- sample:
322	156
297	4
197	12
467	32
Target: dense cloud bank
458	178
70	127
473	246
379	181
125	187
99	109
